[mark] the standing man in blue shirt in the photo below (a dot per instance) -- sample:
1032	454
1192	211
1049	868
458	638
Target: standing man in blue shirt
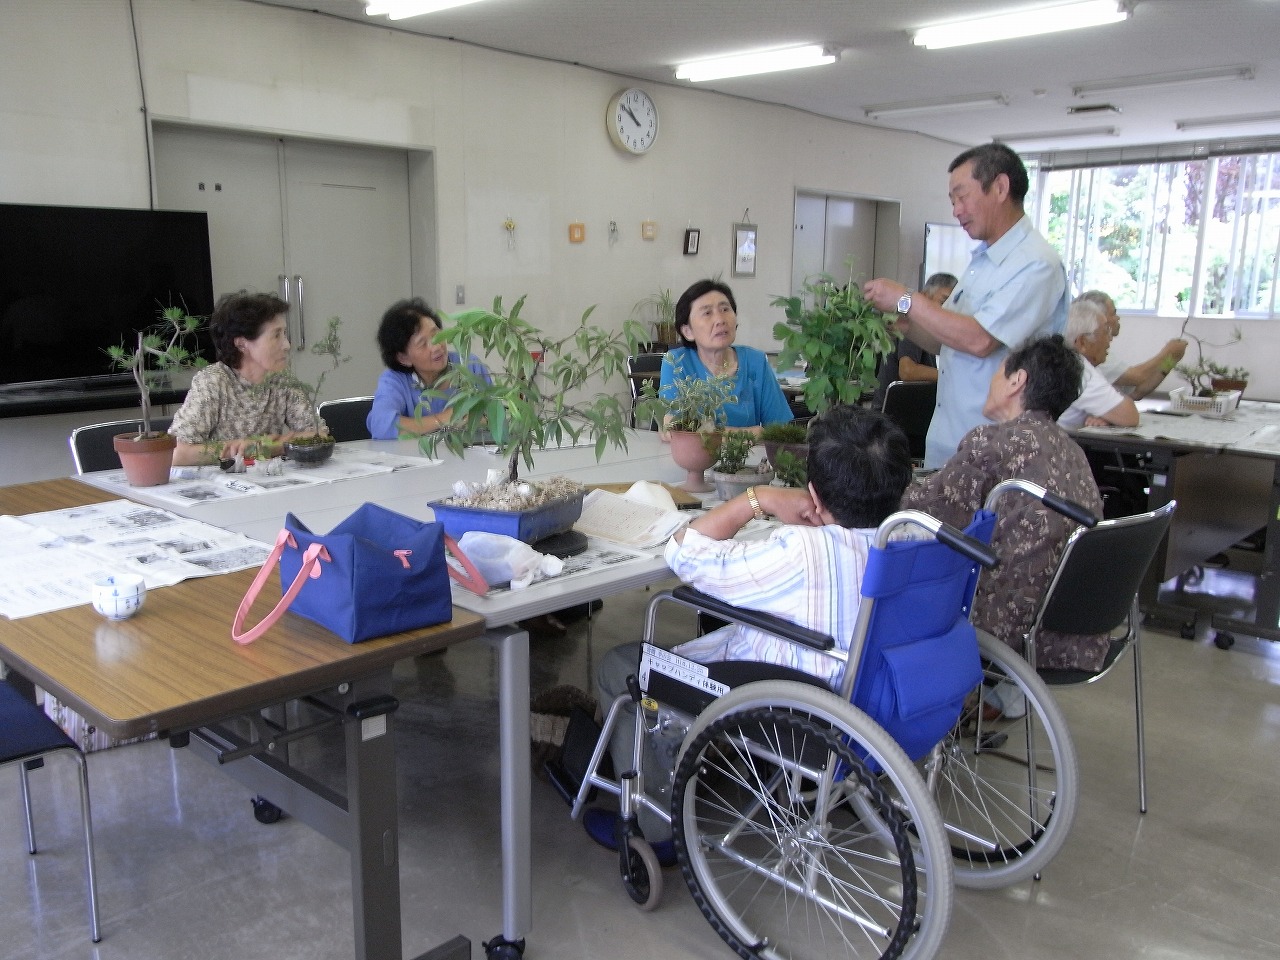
1015	288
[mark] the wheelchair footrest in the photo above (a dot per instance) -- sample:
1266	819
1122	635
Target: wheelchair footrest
567	769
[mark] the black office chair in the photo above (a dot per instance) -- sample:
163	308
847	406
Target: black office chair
909	404
1095	590
91	447
638	364
346	418
27	736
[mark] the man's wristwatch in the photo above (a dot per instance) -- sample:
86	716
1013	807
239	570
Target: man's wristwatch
904	303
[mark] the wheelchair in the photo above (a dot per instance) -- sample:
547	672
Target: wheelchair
808	823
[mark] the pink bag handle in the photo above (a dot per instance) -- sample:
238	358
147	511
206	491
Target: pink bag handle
310	569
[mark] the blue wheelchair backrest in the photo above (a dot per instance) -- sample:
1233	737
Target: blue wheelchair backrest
920	657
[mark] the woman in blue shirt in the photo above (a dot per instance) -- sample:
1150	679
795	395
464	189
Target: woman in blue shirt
415	361
707	321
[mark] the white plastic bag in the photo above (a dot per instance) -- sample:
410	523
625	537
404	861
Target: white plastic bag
500	559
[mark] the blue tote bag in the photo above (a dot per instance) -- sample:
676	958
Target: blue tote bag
376	573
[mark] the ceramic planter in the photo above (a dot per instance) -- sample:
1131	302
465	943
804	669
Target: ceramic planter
729	485
529	526
691	454
146	460
311	453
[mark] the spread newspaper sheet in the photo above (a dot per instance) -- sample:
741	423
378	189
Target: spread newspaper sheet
51	560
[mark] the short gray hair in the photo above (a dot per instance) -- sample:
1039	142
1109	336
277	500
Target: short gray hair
1083	319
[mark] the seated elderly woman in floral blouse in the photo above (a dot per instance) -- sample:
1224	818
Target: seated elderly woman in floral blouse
231	407
1038	381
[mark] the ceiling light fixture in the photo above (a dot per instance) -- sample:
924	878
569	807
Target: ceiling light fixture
403	9
760	61
1198	122
1025	23
906	108
1176	79
1055	135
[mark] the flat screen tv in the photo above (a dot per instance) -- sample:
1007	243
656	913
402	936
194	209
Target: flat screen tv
76	280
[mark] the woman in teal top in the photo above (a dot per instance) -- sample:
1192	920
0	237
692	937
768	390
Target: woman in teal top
707	321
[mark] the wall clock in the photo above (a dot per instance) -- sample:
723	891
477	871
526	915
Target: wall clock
632	120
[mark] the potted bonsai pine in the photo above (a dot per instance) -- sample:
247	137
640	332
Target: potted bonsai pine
695	408
312	449
546	391
160	351
730	472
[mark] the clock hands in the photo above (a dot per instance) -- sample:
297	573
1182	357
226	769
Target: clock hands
634	118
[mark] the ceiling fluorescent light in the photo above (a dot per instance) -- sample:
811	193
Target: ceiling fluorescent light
762	61
906	108
1024	23
1197	123
403	9
1055	135
1176	79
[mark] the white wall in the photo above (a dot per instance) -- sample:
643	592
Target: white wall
511	137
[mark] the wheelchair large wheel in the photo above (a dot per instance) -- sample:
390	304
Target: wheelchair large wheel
787	864
1007	790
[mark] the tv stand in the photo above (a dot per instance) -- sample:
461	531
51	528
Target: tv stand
34	399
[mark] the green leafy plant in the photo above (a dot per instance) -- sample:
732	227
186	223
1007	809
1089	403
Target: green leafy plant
790	470
663	306
694	404
162	350
735	447
838	335
535	399
1201	373
330	345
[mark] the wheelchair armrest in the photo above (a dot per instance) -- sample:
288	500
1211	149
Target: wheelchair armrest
753	618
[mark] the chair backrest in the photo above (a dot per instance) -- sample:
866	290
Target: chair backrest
91	447
1100	571
346	418
909	404
642	363
919	654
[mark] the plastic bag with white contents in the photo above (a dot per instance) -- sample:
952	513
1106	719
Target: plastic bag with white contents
501	558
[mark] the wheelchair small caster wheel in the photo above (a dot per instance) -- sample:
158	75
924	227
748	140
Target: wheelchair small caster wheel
264	811
1188	631
500	948
641	872
1223	640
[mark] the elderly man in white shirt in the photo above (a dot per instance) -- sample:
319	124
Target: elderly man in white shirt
1139	379
1100	404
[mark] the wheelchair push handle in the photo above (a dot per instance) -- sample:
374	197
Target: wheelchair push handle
975	550
1068	508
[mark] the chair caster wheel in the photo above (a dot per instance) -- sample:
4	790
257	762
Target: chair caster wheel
1188	631
499	948
1223	640
264	811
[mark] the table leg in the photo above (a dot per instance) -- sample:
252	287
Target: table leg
512	645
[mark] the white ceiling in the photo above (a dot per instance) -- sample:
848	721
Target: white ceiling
643	39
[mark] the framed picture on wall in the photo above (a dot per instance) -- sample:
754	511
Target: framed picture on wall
744	250
691	241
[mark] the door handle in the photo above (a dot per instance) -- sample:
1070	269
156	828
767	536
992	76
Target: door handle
302	314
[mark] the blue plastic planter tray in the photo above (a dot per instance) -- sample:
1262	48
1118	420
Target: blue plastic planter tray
527	525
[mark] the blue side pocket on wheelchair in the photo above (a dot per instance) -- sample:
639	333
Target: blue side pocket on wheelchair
921	654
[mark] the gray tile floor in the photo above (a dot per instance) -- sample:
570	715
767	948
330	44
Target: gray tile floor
186	872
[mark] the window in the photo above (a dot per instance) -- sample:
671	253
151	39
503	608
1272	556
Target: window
1188	238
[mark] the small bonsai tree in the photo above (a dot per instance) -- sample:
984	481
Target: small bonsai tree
330	345
1201	374
790	470
535	399
162	349
840	337
735	447
695	404
663	305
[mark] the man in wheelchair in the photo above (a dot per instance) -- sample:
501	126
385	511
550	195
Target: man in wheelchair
808	571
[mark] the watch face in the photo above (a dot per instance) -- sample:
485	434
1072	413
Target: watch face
904	303
632	120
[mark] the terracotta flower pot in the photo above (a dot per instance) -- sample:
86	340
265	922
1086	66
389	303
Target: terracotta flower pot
146	460
1225	384
691	454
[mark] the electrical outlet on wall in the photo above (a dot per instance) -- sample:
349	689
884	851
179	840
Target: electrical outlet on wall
460	294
